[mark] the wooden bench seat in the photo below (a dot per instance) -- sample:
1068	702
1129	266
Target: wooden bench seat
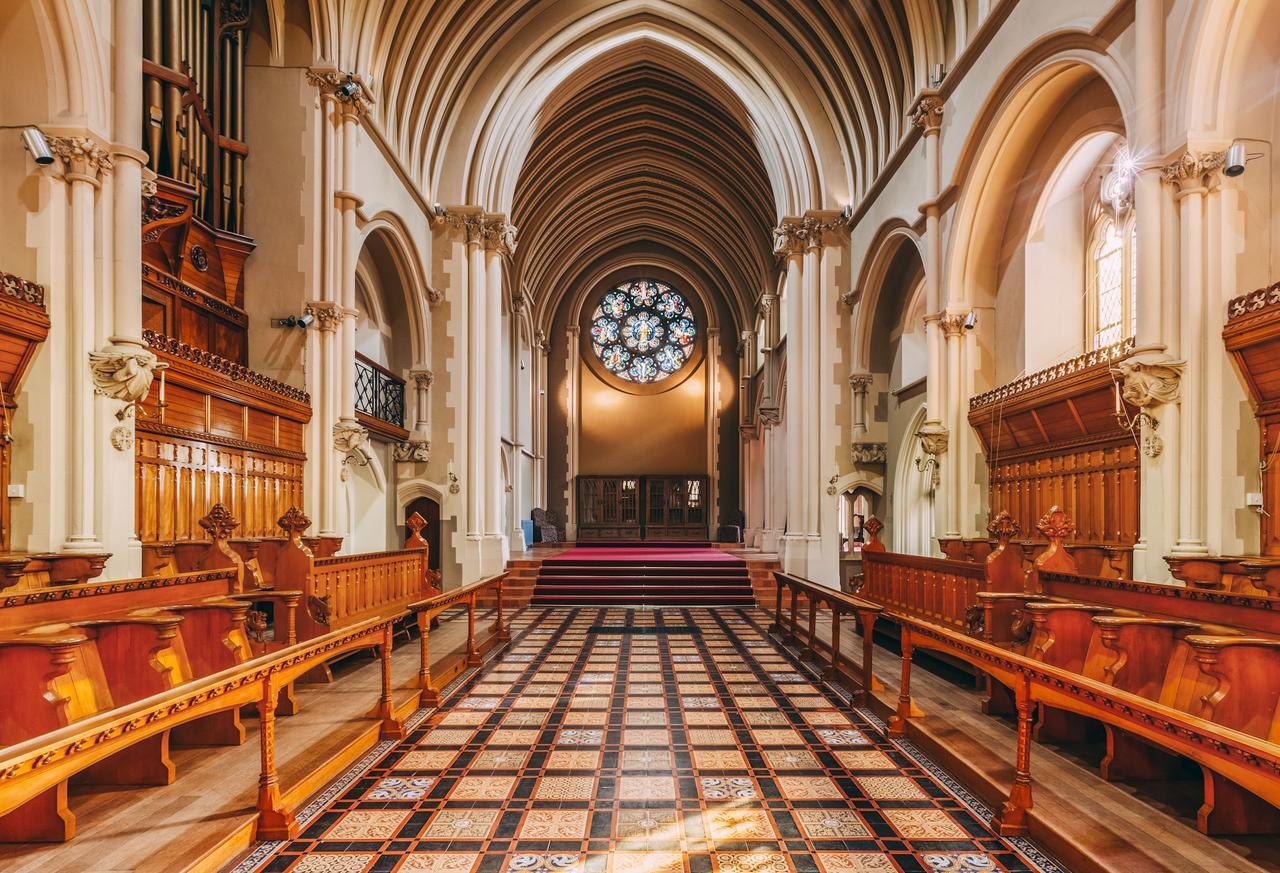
1240	574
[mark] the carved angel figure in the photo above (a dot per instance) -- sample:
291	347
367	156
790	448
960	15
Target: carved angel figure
122	375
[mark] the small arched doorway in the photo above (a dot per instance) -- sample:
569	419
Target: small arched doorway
430	510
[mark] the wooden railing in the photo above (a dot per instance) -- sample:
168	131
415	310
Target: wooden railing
466	597
840	605
933	589
1227	755
130	744
345	589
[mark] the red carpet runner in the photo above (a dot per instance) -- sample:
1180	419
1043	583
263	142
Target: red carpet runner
643	575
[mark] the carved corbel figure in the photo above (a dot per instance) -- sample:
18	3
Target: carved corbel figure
413	451
1150	383
869	453
122	375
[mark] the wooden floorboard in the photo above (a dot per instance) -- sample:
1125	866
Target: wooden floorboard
166	829
1113	826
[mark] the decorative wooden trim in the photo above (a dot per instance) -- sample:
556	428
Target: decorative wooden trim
1175	592
1253	303
97	589
37	764
22	290
237	373
382	428
154	427
1061	375
204	300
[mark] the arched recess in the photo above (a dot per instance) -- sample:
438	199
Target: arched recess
911	501
890	348
390	331
1060	95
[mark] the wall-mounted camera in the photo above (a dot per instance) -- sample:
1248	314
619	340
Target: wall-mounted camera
35	143
303	321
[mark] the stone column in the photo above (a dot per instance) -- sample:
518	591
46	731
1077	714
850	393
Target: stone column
810	336
477	438
790	245
713	428
859	384
328	321
83	160
574	405
1149	26
952	324
1189	176
499	242
540	357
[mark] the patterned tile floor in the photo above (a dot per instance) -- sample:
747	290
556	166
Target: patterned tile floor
621	741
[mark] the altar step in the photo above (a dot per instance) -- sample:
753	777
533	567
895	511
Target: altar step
639	576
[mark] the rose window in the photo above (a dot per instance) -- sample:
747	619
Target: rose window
643	331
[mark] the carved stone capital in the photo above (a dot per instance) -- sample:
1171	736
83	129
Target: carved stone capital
952	323
83	158
541	342
1150	383
860	382
793	236
122	374
413	451
1190	168
335	85
868	453
422	379
769	416
328	315
926	114
498	235
348	436
766	304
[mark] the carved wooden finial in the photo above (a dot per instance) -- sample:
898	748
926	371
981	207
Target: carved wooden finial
294	522
1003	527
873	526
1056	525
415	523
220	524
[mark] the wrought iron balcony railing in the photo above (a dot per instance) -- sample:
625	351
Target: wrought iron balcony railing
379	392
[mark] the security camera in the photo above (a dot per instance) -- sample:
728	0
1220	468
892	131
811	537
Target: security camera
294	321
348	89
35	142
971	320
1236	159
304	321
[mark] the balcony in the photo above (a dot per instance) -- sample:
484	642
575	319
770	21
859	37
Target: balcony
379	399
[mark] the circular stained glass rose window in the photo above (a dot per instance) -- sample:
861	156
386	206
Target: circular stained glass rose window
643	331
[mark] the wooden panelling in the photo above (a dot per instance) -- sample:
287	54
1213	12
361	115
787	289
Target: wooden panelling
1053	438
225	435
1096	486
1252	336
23	327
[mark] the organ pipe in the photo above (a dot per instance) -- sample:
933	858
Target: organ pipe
193	120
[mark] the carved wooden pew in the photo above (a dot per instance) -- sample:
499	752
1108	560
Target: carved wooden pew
342	590
127	744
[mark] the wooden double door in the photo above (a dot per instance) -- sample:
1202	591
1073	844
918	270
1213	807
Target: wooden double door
643	508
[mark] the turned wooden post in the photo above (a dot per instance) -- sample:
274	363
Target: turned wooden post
1011	820
499	626
473	656
868	619
777	606
833	673
898	723
275	821
392	729
429	697
813	627
795	596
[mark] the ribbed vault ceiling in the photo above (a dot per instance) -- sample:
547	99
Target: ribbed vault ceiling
608	122
644	154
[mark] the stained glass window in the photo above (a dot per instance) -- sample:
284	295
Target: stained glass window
1113	280
643	331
